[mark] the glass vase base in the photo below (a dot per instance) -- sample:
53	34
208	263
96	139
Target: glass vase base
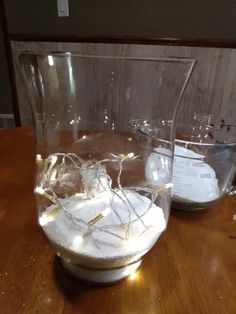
192	206
100	276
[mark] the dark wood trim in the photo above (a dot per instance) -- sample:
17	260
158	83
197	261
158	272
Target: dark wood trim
194	42
10	65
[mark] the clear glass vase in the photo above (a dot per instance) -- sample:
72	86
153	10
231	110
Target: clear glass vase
204	162
104	127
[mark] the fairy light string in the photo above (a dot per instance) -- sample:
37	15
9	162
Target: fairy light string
95	182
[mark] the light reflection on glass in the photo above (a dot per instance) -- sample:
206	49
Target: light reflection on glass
50	61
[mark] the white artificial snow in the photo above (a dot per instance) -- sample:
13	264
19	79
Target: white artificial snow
77	241
193	179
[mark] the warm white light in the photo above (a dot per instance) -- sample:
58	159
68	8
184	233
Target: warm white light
38	157
130	155
53	159
84	137
78	194
129	139
39	160
53	175
77	240
164	187
168	185
39	190
106	212
45	219
124	157
50	61
133	276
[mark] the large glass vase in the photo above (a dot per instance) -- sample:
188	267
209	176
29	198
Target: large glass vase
105	135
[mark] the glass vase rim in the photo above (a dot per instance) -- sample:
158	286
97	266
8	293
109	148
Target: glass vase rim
219	144
206	127
104	56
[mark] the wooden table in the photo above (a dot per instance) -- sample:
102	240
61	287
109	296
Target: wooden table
192	269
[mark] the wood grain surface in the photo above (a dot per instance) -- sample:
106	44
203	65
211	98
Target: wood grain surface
192	268
211	88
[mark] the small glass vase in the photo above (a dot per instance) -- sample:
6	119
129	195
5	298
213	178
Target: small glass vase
204	162
105	136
